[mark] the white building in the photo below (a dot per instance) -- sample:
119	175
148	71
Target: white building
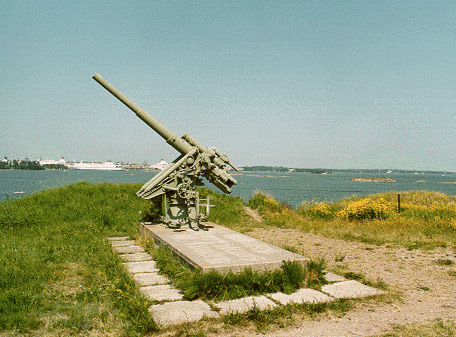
103	166
61	161
159	166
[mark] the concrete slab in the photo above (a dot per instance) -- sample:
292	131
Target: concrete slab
150	279
118	238
180	312
129	249
350	289
332	277
141	267
136	257
244	304
301	296
120	243
220	248
162	293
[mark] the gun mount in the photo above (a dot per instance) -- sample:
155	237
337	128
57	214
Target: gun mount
174	188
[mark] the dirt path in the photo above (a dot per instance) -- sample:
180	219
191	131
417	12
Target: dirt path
428	290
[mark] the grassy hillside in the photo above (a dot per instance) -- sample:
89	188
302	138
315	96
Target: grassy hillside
58	273
59	276
425	220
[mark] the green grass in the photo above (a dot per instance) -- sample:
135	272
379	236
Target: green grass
444	262
59	273
59	276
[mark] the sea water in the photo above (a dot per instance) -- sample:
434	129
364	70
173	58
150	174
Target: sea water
289	187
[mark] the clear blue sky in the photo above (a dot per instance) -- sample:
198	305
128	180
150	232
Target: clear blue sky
333	84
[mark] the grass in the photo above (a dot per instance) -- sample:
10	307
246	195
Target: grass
58	272
59	276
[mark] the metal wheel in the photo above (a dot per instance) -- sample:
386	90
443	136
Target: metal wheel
184	190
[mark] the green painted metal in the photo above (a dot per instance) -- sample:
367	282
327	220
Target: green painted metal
176	184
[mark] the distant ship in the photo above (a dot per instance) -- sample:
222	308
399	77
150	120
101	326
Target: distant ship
103	166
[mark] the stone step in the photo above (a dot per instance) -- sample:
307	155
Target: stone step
332	277
135	257
163	292
173	313
118	238
301	296
350	289
150	279
120	243
244	304
141	267
129	249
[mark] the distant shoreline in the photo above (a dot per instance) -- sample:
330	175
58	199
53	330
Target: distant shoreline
373	179
331	171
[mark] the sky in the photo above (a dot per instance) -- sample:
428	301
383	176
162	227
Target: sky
306	84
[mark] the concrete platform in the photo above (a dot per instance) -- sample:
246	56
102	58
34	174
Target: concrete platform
220	248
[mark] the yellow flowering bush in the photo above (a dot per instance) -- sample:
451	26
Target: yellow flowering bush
367	208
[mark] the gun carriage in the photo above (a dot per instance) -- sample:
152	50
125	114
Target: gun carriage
174	188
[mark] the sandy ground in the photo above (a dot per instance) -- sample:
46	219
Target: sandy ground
427	289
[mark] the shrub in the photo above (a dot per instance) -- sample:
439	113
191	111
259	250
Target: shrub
367	208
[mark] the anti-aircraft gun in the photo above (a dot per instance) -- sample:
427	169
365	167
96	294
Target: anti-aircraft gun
175	186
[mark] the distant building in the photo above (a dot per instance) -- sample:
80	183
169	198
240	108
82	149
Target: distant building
61	161
102	166
159	166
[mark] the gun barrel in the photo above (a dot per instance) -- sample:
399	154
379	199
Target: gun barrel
171	138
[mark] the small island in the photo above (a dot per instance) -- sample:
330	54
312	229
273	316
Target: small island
373	179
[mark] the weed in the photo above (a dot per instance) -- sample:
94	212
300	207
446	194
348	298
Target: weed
354	276
444	262
340	257
314	273
435	328
291	249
